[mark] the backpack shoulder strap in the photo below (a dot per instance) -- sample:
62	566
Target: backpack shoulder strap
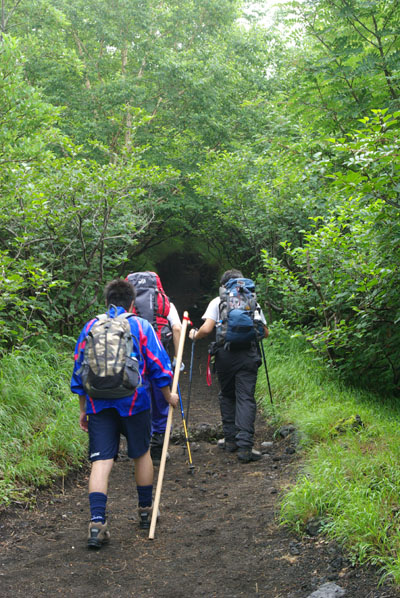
222	293
125	315
101	317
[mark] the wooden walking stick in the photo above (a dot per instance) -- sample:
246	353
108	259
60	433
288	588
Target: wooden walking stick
168	427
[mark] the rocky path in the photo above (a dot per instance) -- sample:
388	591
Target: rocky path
217	536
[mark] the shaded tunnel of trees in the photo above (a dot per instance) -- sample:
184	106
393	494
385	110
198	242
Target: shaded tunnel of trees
189	282
161	136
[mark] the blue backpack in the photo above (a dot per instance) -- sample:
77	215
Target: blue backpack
239	322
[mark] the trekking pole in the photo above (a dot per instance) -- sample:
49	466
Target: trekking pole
190	383
266	370
191	466
168	427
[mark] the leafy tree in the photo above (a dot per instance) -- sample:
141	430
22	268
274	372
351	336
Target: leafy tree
168	77
67	223
342	284
346	60
27	127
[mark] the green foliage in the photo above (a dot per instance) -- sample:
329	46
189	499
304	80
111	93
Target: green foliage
39	421
27	129
349	480
133	130
142	92
27	122
346	61
23	286
342	283
67	223
165	124
80	221
189	69
257	200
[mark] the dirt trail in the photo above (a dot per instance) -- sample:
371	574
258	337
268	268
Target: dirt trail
217	536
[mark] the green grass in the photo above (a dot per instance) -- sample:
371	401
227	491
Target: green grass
40	438
349	479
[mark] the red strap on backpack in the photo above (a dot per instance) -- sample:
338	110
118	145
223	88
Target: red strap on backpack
162	298
208	374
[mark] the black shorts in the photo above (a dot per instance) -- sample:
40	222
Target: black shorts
106	427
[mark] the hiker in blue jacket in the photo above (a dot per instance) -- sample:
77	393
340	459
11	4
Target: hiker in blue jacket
237	368
152	303
106	419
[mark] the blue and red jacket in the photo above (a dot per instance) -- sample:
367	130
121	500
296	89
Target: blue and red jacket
154	365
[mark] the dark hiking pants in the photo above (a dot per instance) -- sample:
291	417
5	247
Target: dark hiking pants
237	376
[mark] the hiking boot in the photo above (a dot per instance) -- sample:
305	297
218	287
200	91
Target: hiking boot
245	455
145	514
98	534
227	445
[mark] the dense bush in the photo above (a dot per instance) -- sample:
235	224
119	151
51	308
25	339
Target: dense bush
39	423
342	284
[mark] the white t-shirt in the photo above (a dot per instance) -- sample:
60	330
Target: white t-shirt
212	311
173	316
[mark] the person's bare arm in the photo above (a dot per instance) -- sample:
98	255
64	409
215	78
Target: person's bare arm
176	335
204	330
83	421
171	397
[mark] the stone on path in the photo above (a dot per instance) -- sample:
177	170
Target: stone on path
328	590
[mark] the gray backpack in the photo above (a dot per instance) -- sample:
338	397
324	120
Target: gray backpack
110	369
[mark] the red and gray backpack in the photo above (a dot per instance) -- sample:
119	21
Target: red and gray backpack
152	303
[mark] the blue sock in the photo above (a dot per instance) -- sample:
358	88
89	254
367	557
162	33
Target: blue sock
97	501
145	494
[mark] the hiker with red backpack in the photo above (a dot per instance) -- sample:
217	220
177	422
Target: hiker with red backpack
153	304
117	355
240	324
